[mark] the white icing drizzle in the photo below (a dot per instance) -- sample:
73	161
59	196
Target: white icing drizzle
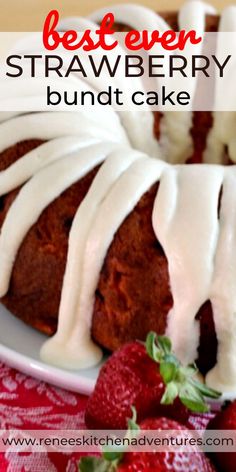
19	172
117	204
223	290
60	344
52	125
137	16
185	222
199	244
176	139
31	201
192	15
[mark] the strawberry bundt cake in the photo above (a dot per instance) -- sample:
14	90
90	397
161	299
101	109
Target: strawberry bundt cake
117	223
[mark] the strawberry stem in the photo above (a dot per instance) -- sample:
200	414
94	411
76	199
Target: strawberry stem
180	381
110	459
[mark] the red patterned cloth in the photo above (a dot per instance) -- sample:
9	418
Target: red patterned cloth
26	403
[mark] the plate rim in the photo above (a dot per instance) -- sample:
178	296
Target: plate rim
78	381
44	372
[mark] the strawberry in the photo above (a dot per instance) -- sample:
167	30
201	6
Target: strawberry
192	459
148	377
226	420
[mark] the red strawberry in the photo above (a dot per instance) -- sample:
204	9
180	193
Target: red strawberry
226	419
191	460
148	378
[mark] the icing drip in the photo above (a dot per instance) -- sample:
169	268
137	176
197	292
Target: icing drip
192	15
189	244
106	218
58	347
54	125
223	290
31	201
42	156
176	139
137	16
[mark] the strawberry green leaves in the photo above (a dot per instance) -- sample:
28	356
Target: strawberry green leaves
133	427
180	381
96	464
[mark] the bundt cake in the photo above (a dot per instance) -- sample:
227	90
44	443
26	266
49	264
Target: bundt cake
104	223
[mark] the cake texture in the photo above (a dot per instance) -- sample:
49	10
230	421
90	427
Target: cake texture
49	251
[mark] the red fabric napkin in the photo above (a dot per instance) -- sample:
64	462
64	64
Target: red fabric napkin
26	403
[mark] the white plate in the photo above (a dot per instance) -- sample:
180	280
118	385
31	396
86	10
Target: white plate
19	348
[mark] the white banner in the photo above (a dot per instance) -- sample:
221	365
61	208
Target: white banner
68	441
198	77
